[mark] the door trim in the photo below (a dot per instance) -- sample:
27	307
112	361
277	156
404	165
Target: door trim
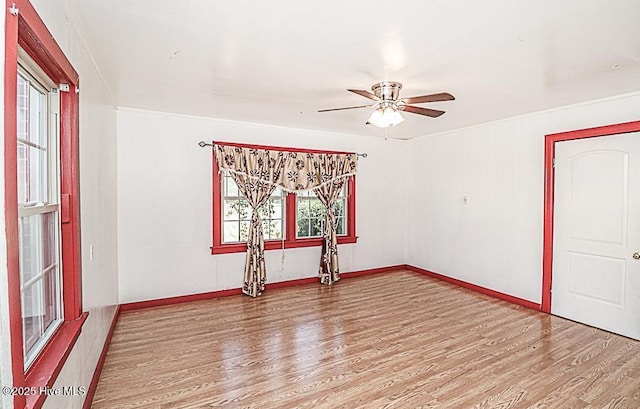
549	154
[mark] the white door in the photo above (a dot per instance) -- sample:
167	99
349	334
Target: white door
596	278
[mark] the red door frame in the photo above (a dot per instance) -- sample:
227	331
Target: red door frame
549	155
25	28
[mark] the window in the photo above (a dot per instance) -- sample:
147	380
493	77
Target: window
310	214
237	214
38	212
289	219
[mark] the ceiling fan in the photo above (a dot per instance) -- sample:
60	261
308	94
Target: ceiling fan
388	104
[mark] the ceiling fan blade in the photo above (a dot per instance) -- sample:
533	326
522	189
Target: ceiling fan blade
340	109
434	113
444	96
364	93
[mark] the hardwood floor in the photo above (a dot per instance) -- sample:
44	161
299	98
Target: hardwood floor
398	340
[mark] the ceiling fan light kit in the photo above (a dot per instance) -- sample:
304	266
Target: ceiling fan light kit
384	117
389	104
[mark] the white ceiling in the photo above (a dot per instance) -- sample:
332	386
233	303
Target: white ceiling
279	61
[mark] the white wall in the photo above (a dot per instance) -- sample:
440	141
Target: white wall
495	240
97	204
164	205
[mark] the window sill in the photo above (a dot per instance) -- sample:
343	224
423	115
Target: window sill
44	371
277	245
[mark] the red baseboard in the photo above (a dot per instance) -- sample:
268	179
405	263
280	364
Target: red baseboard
310	280
483	290
291	283
387	269
179	299
237	291
91	390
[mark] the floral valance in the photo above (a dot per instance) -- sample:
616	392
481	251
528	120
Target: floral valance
291	170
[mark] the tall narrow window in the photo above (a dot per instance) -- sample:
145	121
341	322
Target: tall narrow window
310	213
38	211
236	214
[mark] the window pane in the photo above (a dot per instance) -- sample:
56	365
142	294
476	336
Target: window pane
338	207
50	284
341	216
37	175
303	208
23	173
275	229
32	174
316	208
23	108
276	208
32	315
272	229
49	239
37	117
229	187
30	233
39	275
32	143
340	226
231	210
310	214
236	210
236	214
302	217
40	309
231	232
316	227
316	217
38	244
271	213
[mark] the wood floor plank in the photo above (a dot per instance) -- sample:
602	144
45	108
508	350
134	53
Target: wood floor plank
397	340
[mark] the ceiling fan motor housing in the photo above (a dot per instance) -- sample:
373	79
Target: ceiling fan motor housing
387	90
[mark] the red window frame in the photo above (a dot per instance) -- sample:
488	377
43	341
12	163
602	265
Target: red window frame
26	29
290	212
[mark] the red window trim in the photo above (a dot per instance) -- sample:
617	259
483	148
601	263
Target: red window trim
290	229
27	30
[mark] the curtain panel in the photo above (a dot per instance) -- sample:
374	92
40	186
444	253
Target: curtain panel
258	171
